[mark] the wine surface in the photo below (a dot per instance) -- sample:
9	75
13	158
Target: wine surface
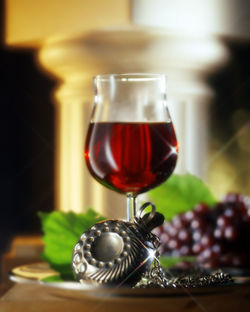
131	157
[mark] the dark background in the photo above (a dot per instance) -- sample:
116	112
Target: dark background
27	141
27	131
229	132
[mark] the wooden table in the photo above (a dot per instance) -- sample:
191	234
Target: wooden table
36	298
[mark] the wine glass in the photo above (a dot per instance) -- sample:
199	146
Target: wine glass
131	145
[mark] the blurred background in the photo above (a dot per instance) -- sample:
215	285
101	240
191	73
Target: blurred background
50	50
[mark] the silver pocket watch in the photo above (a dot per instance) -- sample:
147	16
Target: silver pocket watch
115	252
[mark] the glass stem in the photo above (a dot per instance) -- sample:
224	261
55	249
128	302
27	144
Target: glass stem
131	206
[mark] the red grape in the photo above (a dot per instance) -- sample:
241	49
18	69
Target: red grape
197	248
230	233
201	208
207	240
184	235
223	221
197	223
218	233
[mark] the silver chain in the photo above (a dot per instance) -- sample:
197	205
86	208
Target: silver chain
157	277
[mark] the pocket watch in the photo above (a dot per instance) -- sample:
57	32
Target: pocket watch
116	252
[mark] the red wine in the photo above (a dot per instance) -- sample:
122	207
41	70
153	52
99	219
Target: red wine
131	157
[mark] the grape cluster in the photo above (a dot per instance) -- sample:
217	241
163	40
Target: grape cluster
217	236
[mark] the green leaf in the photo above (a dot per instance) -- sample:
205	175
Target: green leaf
61	233
180	193
53	279
168	262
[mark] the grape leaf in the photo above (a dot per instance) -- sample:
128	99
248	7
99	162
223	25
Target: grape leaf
53	279
61	233
180	193
169	262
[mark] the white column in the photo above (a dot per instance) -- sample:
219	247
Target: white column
196	135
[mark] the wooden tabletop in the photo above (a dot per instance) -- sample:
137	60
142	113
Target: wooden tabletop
33	297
